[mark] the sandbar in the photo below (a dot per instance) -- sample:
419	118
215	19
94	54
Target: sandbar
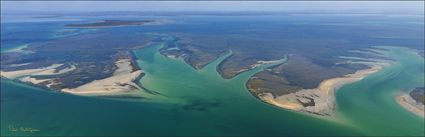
323	97
408	103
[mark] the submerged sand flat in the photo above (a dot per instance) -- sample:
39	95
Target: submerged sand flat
17	65
261	62
33	80
62	71
120	81
258	64
17	49
407	102
27	72
25	75
322	96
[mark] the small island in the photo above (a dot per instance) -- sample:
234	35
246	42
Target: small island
115	23
418	94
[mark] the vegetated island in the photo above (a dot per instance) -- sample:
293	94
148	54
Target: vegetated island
413	101
86	64
115	23
305	83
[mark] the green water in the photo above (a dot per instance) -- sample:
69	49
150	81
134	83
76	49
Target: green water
200	102
369	104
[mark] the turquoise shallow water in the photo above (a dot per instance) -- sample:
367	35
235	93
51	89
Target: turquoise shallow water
200	102
370	105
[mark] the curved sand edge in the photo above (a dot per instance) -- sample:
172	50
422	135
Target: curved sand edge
321	100
121	81
408	103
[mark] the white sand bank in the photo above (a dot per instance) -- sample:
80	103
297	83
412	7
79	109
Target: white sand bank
407	102
120	81
323	96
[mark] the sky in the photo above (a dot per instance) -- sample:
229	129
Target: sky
416	7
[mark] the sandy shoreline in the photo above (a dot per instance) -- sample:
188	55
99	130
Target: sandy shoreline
120	81
408	103
320	100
